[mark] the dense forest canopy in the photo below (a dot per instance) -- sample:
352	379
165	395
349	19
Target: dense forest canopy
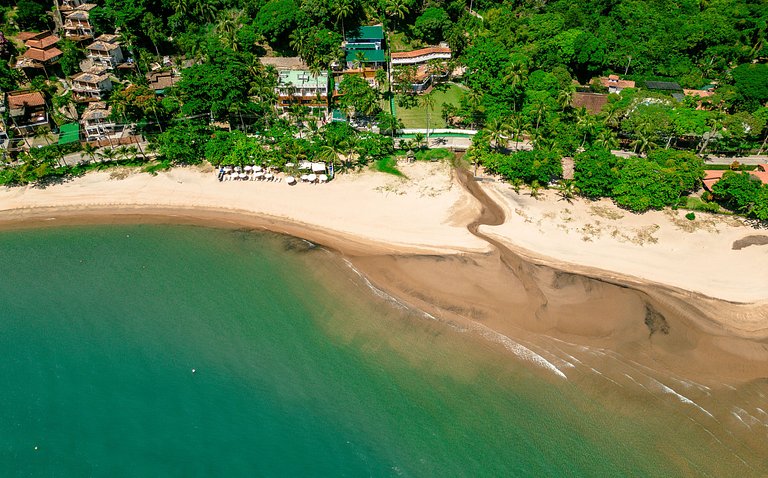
523	64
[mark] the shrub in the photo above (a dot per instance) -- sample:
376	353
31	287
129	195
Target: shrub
690	216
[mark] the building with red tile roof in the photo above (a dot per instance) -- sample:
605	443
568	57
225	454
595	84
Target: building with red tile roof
422	55
41	50
615	84
711	176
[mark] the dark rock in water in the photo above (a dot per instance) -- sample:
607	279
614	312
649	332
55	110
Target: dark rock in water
655	321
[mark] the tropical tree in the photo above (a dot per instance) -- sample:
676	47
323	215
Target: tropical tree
498	132
427	101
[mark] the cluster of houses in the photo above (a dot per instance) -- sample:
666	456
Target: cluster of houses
364	55
614	84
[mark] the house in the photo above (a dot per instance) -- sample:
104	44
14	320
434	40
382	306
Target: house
90	85
615	84
421	56
69	5
105	51
27	111
364	48
592	102
162	80
302	87
711	176
366	38
41	50
96	121
77	24
429	65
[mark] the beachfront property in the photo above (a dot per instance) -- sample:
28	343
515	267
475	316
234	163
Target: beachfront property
301	87
364	48
69	5
27	112
711	176
96	121
41	50
615	84
77	24
430	63
90	85
105	51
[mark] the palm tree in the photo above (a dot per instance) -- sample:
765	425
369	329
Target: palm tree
428	103
586	122
611	114
341	10
567	189
331	153
228	27
204	9
539	110
498	132
418	138
643	143
515	75
88	150
518	125
360	59
606	139
107	154
565	97
397	9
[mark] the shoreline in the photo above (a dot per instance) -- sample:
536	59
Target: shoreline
474	284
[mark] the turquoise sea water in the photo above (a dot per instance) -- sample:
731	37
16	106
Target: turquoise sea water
299	370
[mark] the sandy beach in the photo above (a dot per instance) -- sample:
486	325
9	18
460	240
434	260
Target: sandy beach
508	267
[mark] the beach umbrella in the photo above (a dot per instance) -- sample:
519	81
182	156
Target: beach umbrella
228	169
243	175
304	177
268	176
257	168
312	177
259	174
248	168
323	178
290	179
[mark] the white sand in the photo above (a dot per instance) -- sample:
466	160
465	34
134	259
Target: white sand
427	213
658	246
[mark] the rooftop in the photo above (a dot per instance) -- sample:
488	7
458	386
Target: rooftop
371	56
40	40
90	77
42	55
95	111
160	80
421	52
375	32
20	99
592	102
101	45
663	85
616	82
303	78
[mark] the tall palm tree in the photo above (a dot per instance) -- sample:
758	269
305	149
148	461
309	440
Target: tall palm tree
427	102
643	143
565	97
107	154
515	75
227	28
498	131
397	9
88	150
360	59
331	153
518	125
586	122
607	139
342	9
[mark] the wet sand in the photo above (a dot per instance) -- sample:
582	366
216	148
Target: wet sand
542	312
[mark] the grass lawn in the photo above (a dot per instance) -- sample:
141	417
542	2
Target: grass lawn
417	117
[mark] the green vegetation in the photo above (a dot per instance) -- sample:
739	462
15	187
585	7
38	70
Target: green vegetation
388	165
521	63
415	117
436	154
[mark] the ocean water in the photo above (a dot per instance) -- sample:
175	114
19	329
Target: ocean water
187	351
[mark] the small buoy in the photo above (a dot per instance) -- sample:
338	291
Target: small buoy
193	370
35	448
